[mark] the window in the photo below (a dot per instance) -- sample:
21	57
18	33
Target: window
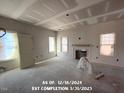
107	42
8	46
51	44
64	44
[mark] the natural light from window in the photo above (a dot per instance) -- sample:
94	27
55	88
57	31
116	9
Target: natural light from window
64	44
107	42
8	46
51	44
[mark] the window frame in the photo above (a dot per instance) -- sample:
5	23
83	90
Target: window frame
111	45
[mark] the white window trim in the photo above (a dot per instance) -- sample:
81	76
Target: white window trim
111	55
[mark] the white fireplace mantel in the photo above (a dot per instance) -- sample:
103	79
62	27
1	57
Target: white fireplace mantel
81	45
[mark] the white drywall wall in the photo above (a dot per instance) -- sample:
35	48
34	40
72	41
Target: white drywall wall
91	35
40	37
72	35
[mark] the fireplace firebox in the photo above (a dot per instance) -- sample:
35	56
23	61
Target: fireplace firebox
80	53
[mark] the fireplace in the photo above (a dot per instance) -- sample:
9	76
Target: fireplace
80	53
81	50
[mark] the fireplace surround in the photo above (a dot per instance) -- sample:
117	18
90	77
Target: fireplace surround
81	50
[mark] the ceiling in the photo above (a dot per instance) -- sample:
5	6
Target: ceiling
60	15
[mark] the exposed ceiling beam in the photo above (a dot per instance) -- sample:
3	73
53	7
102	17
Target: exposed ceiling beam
22	8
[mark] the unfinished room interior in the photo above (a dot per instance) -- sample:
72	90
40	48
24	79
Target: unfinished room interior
61	46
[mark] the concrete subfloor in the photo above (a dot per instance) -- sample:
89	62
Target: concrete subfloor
56	69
